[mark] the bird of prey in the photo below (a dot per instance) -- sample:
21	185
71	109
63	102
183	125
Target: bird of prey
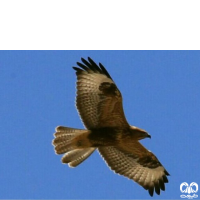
99	103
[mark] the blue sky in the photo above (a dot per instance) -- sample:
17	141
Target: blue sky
160	94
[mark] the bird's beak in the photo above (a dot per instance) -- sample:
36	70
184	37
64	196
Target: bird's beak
149	136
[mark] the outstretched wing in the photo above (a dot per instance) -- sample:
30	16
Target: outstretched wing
137	164
98	100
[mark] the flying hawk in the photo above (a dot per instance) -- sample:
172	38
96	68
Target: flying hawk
99	103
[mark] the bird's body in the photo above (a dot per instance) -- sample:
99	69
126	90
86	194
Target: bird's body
99	103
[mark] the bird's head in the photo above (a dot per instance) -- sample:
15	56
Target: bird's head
139	133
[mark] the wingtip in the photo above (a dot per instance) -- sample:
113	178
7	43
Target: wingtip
165	179
75	68
162	185
151	191
78	62
166	172
89	65
91	61
157	189
82	59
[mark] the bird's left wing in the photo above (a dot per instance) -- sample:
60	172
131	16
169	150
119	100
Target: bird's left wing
99	101
137	164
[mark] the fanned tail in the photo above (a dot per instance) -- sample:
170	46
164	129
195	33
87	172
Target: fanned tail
67	140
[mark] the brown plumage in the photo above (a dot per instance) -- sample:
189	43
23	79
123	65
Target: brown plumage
99	103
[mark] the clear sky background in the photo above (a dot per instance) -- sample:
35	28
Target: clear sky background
161	94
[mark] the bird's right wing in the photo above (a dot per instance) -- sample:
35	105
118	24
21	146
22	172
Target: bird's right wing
145	170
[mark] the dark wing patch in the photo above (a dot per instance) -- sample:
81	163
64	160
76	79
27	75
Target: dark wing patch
109	89
149	161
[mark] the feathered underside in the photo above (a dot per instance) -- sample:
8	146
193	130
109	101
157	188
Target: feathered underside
99	103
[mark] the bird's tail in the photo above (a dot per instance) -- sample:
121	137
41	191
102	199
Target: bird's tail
74	143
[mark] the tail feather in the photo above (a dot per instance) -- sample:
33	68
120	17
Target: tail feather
64	147
66	140
76	157
66	131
